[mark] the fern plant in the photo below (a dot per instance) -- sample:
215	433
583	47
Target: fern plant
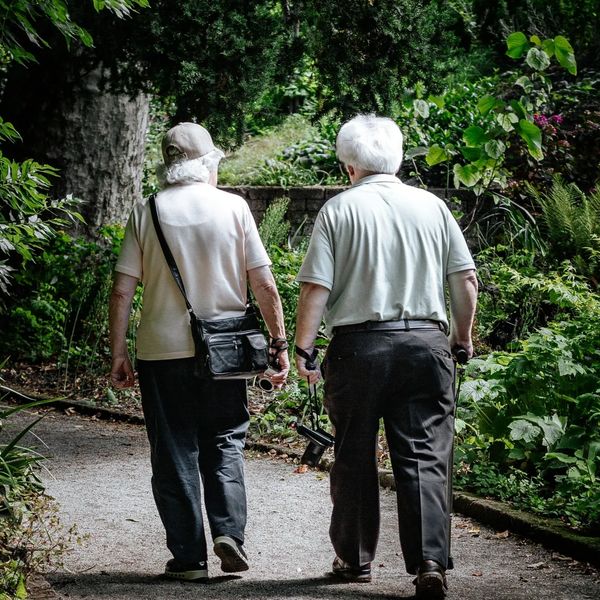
571	221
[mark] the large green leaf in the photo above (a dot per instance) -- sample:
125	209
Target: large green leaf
475	136
495	148
436	155
489	103
537	59
471	154
468	175
532	135
523	431
507	121
564	54
416	151
517	44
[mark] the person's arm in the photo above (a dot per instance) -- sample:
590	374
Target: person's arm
123	290
263	287
311	306
462	286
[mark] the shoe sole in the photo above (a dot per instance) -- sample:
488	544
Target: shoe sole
199	575
431	587
349	578
231	559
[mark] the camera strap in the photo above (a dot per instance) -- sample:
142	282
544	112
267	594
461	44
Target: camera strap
311	365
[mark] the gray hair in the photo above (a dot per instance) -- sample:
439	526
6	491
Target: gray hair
370	143
197	170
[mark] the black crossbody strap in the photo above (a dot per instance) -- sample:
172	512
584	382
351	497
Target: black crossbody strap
168	254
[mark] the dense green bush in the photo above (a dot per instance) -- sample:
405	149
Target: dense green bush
535	410
59	309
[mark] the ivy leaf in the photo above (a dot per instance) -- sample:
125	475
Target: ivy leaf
564	54
523	431
468	175
475	136
532	135
436	155
517	44
421	108
537	59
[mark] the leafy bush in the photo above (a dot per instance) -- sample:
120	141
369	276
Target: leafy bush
571	222
287	259
59	309
537	409
31	536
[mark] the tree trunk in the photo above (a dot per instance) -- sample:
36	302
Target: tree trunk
94	137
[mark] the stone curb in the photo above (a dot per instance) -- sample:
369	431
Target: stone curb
552	533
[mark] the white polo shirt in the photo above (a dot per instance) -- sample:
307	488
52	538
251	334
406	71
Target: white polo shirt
384	250
214	240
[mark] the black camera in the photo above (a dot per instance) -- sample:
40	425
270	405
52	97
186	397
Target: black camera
318	441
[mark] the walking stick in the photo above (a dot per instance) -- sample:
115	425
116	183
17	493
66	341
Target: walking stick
461	358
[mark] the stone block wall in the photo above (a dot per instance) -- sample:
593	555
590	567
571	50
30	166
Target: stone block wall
305	202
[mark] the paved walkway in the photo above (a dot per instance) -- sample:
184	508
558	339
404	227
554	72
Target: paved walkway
100	476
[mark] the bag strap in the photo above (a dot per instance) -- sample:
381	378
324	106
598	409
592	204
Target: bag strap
168	254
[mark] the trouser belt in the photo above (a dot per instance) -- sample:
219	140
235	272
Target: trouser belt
400	325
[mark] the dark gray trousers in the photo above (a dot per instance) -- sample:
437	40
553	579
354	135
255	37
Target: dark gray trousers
406	378
197	429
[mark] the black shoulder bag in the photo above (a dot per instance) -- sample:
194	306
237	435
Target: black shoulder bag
233	348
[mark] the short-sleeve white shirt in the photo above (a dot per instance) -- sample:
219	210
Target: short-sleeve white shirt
214	240
384	250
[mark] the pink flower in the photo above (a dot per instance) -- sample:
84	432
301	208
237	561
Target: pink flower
557	119
540	120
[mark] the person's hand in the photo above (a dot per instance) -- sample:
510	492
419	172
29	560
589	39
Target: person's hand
465	344
312	374
121	373
278	377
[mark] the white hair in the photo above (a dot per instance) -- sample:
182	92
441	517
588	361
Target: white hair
370	143
197	170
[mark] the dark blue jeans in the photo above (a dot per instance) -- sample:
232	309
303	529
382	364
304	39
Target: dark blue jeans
406	378
197	429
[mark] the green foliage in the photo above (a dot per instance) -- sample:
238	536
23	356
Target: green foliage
28	216
577	20
500	121
537	409
22	23
60	303
368	52
287	259
571	222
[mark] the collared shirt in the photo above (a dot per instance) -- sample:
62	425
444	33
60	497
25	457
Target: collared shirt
384	250
214	240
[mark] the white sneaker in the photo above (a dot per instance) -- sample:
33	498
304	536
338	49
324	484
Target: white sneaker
232	555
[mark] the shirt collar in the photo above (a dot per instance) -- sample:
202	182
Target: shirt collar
377	178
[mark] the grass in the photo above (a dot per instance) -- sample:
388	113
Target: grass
238	168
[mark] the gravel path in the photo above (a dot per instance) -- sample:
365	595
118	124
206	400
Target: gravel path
100	475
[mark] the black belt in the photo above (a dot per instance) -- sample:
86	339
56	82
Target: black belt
401	325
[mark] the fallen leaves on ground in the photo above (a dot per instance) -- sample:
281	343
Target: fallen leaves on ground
301	469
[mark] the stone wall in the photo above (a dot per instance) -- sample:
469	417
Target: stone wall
305	202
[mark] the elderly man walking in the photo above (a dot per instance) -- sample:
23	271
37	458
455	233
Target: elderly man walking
196	426
380	257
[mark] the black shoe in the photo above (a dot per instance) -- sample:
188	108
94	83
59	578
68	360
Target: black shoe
186	571
347	572
232	555
431	581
